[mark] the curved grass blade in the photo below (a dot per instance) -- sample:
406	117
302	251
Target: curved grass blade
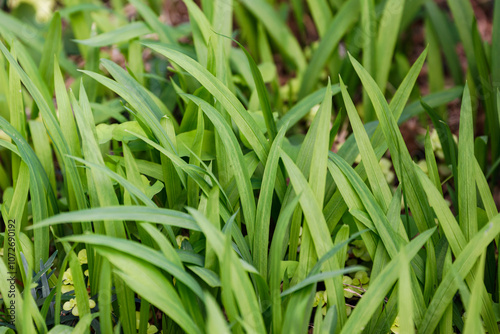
192	170
131	188
140	99
41	143
142	252
159	291
241	117
321	277
118	213
117	36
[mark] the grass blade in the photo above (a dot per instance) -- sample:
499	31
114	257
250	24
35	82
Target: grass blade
466	185
381	286
263	214
386	41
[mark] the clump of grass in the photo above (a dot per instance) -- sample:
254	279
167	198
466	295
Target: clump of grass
176	187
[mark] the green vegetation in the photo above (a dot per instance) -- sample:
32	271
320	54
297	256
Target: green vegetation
163	177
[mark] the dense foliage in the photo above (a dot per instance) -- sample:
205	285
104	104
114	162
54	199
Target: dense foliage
157	175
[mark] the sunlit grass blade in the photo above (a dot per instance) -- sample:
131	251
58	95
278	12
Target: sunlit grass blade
133	213
103	194
222	21
202	32
318	171
69	131
104	298
143	253
159	291
193	189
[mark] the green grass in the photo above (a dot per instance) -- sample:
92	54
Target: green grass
229	175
